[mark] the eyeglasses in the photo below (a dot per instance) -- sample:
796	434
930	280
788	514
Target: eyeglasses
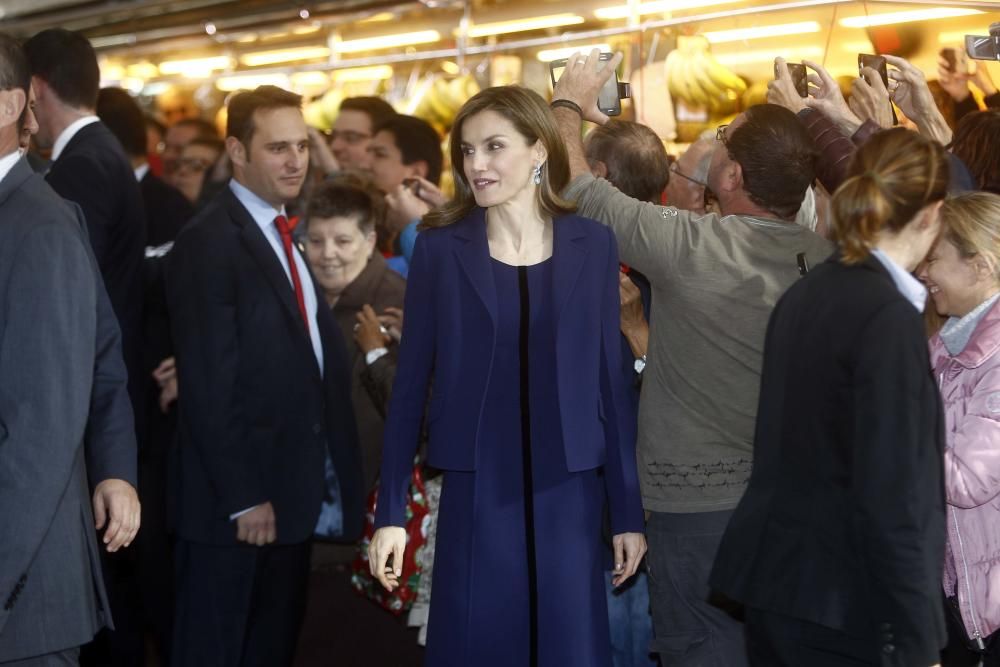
676	171
349	136
720	133
191	164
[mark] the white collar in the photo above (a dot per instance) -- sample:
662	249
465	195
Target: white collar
908	286
261	212
141	171
67	134
7	163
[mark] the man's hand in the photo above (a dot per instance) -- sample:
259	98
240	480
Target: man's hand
956	83
257	526
117	505
166	377
320	154
914	99
403	207
870	98
827	98
782	91
629	550
582	80
634	326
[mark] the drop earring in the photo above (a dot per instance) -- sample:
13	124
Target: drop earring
536	174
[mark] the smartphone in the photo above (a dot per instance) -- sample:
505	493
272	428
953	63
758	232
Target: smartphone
800	78
878	64
981	47
413	185
950	57
609	100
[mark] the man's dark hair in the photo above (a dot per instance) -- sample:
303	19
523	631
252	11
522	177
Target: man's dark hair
205	128
122	115
976	142
14	71
416	140
347	196
66	61
377	109
634	156
243	105
778	158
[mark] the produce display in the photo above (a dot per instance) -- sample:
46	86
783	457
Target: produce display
697	78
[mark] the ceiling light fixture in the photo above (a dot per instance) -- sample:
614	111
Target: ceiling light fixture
388	41
249	82
661	7
275	57
761	32
195	68
522	25
549	55
376	73
907	17
210	28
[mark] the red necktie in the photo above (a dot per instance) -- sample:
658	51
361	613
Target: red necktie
286	240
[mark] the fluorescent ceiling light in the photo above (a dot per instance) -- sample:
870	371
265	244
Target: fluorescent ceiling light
249	82
387	41
379	18
906	17
376	73
521	25
549	55
762	32
284	55
661	7
310	79
196	67
863	46
143	70
306	29
111	72
768	55
953	38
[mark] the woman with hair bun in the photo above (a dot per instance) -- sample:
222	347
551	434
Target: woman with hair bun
512	308
963	277
836	547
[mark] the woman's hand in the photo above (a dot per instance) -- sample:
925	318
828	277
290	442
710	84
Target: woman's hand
369	332
392	540
629	550
781	90
870	99
827	98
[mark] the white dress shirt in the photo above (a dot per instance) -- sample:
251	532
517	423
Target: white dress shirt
66	135
908	286
264	214
7	163
141	171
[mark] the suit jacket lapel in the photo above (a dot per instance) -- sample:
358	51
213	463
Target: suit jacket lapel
473	252
263	253
568	255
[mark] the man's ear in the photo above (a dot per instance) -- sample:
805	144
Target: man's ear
11	106
731	177
237	152
598	168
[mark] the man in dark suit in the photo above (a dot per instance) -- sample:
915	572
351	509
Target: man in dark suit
90	169
51	589
264	402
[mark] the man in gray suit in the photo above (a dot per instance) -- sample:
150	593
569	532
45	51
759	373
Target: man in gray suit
52	595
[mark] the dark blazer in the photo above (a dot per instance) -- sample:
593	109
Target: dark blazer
449	324
255	413
52	594
166	210
843	520
94	172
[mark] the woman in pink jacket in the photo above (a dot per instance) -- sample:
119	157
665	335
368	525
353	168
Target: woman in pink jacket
962	275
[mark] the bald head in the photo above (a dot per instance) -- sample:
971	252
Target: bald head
686	189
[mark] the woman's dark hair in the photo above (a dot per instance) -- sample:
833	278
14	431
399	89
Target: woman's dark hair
347	196
890	179
977	143
777	157
533	120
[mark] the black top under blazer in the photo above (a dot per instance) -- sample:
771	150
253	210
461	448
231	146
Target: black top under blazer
255	414
843	521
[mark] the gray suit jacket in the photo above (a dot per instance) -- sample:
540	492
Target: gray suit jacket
51	591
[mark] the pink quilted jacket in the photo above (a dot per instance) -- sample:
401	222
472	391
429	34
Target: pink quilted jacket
970	389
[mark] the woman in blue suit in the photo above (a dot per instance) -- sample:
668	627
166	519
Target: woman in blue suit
512	313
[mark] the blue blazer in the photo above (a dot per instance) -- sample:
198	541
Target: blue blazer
450	335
